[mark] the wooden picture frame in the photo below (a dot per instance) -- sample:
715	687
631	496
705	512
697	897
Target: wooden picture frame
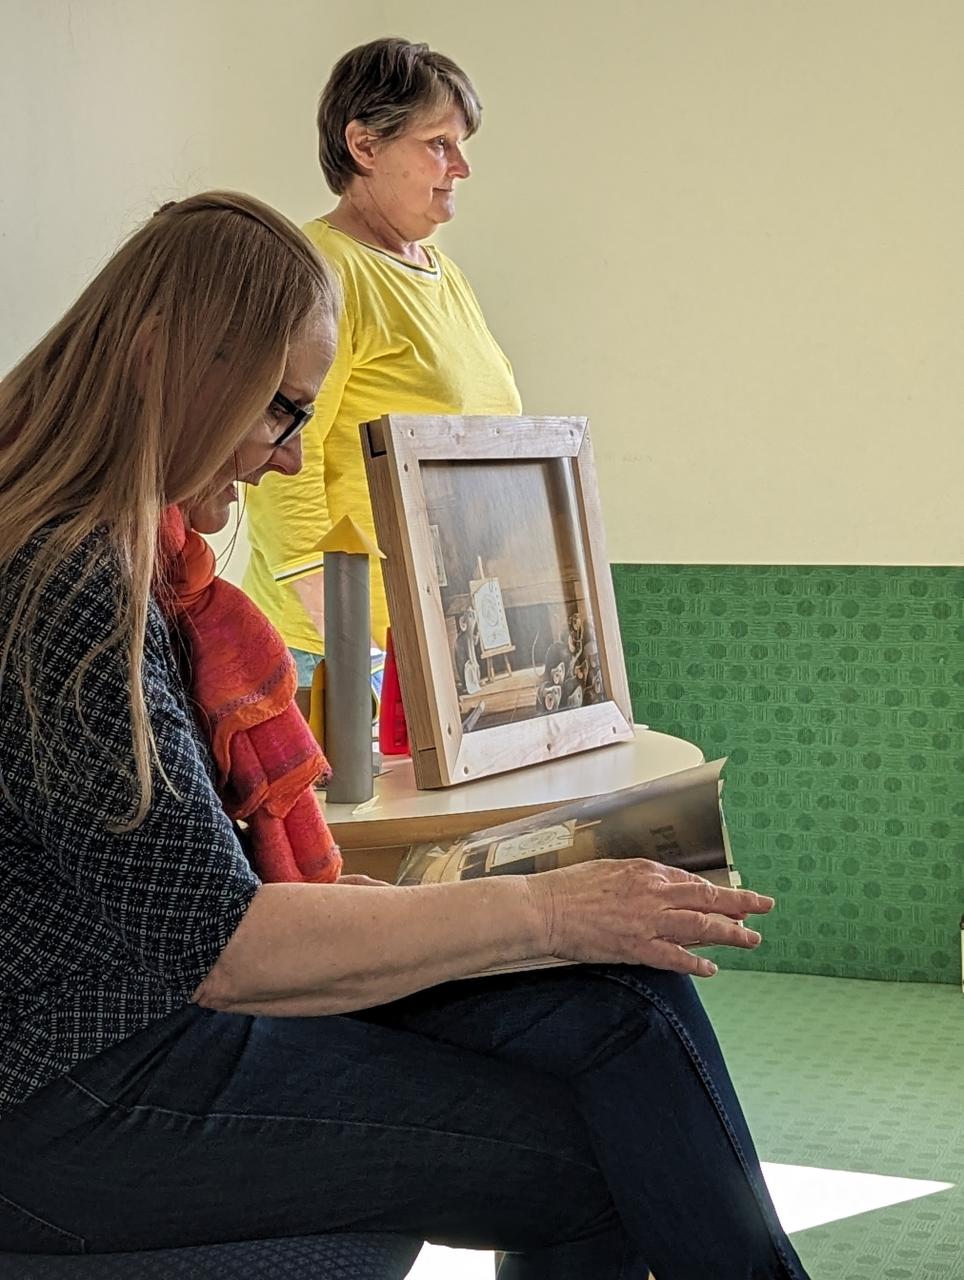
510	506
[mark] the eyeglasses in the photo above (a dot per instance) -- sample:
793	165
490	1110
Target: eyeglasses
289	409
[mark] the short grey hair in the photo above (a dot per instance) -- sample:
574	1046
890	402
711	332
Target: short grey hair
385	85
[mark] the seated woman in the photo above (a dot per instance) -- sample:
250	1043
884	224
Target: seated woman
203	1040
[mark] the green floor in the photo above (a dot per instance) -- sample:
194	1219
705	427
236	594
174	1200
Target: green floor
863	1076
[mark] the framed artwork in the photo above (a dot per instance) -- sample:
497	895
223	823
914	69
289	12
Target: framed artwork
439	561
489	609
499	590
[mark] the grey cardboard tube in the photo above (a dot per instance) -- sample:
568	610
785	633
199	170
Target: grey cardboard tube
348	694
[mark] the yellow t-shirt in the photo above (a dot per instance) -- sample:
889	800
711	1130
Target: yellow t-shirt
411	339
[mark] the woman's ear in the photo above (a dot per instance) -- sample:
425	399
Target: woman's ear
361	143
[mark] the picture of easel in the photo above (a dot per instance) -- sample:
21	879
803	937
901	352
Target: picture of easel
494	638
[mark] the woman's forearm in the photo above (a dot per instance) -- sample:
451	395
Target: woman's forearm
306	949
316	949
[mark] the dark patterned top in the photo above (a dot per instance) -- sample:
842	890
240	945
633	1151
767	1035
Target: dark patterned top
101	933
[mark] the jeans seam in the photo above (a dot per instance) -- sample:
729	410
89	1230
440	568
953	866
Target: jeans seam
309	1120
20	1209
668	1013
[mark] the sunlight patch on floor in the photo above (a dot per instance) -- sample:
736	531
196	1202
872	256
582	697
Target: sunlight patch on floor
804	1197
436	1263
807	1197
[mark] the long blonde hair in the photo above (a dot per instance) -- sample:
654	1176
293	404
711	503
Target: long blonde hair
95	435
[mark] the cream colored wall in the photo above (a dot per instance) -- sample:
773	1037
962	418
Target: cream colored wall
113	106
728	230
732	232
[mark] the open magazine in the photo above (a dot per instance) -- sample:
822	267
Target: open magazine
677	820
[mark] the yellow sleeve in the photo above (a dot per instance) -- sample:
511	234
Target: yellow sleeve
288	515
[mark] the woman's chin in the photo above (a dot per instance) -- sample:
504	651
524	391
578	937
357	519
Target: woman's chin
442	208
212	515
210	521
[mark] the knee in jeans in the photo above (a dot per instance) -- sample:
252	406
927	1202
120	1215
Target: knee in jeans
670	995
603	1016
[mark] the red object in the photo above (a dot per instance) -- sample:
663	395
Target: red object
392	729
243	679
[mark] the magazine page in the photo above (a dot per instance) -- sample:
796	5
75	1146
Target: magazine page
677	820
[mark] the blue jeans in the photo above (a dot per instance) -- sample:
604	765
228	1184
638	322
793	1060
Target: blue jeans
581	1120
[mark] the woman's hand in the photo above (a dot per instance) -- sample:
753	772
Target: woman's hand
633	911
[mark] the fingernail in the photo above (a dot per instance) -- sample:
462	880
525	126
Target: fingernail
711	968
755	938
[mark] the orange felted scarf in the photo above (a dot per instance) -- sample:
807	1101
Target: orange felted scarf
243	679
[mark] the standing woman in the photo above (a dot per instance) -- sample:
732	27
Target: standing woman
392	122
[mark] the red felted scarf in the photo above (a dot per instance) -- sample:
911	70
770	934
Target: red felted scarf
243	678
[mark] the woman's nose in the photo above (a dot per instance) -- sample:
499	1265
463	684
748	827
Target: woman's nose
289	458
459	167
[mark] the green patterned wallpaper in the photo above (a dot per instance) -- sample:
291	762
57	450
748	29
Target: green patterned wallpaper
838	695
